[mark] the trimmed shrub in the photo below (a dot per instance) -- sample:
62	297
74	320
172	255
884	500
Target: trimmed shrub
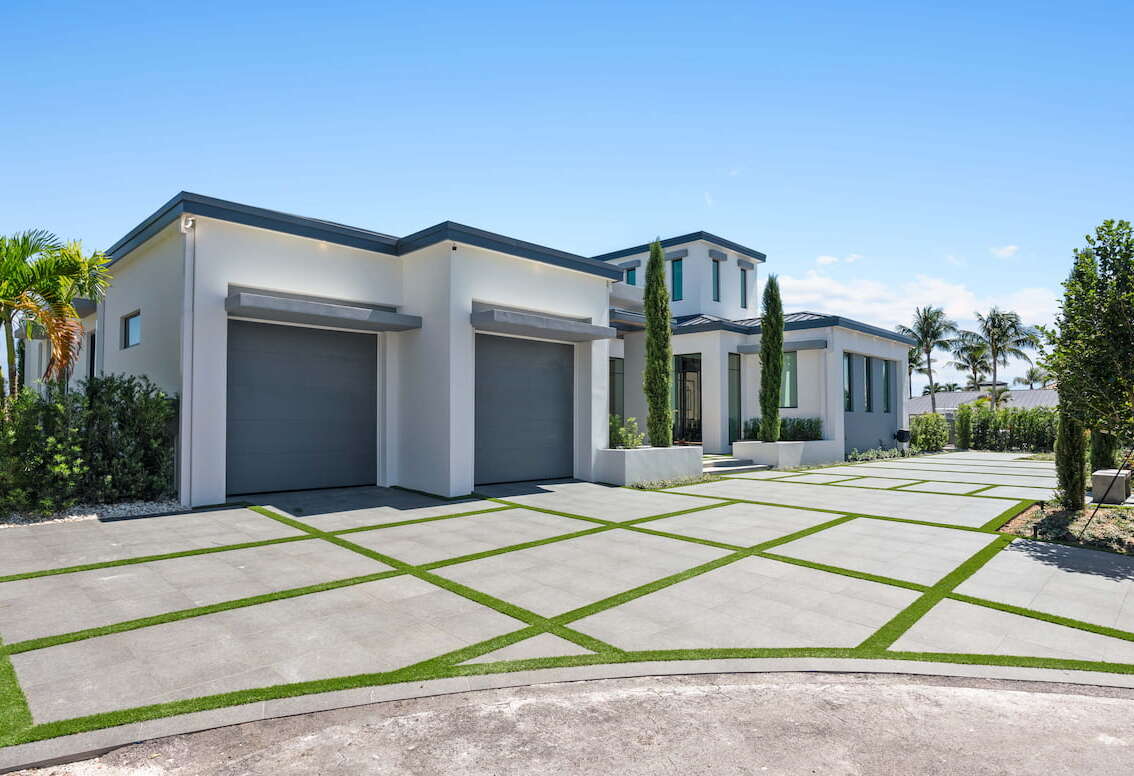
1011	428
963	425
791	429
625	433
1071	463
878	453
928	432
111	440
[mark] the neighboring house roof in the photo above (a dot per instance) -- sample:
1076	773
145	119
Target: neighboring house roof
948	401
341	234
681	240
691	324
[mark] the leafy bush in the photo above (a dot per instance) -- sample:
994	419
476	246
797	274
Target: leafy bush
928	432
111	440
1011	428
878	453
963	425
1104	451
791	429
625	434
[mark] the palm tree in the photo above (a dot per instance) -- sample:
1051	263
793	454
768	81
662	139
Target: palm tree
970	355
1035	374
950	387
930	389
930	330
39	279
915	362
1005	337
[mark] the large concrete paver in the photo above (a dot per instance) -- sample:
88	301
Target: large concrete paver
1008	491
873	482
338	509
372	627
754	602
743	525
1005	471
558	577
905	551
899	472
52	605
42	547
929	507
591	499
426	542
936	486
953	626
1087	585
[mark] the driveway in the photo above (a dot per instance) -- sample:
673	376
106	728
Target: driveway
128	630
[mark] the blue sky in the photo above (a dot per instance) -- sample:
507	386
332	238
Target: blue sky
882	154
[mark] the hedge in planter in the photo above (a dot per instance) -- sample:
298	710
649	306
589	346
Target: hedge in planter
110	440
791	429
929	432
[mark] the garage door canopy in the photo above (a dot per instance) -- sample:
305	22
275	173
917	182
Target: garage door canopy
302	408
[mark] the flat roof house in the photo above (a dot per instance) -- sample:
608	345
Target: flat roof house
310	354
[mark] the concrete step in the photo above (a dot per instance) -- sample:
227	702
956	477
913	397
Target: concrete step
731	466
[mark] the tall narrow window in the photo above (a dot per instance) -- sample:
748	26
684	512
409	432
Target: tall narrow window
743	287
91	356
675	281
887	387
632	276
733	395
868	383
617	387
131	330
789	381
716	281
848	375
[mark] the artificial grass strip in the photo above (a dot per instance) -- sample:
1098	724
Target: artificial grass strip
15	716
791	537
149	558
882	638
1055	619
44	642
1004	517
417	520
808	564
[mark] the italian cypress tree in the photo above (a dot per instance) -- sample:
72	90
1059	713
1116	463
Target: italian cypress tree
658	375
1070	461
771	361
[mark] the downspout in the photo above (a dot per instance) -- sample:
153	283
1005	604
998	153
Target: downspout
185	481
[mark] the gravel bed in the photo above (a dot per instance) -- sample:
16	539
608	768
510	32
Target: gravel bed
91	512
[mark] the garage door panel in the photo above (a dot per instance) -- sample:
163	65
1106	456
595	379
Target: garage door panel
524	409
302	408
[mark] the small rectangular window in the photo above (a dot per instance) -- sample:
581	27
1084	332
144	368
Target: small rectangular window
789	380
617	386
91	356
632	277
743	287
848	376
132	330
887	388
676	281
868	384
716	281
733	395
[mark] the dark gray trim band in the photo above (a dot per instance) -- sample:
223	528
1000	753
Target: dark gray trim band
681	240
745	264
789	347
716	255
631	264
500	321
344	315
678	254
84	307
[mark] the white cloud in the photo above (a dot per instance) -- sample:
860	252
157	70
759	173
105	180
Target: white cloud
827	260
1005	251
708	199
956	261
853	258
849	259
734	172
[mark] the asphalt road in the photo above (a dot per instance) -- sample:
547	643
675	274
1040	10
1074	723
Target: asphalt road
828	724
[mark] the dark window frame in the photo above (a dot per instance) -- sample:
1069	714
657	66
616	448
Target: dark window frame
632	276
793	356
848	382
744	288
677	280
868	384
126	320
716	281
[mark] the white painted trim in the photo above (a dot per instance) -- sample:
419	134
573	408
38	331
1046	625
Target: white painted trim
188	297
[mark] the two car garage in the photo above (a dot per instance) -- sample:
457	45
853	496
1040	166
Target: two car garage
303	408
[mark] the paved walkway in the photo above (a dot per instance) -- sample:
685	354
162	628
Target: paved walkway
113	623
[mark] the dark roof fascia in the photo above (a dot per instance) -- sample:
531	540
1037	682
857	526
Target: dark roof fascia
681	240
224	210
470	235
816	323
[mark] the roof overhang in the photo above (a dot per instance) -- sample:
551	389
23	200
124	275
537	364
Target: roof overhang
524	324
789	347
264	306
670	242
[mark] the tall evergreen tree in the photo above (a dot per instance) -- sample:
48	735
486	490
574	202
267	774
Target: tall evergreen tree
1070	461
657	378
771	361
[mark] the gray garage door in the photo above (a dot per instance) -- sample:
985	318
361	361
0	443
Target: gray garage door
302	408
524	409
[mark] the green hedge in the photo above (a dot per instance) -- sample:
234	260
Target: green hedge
929	432
980	427
791	429
112	439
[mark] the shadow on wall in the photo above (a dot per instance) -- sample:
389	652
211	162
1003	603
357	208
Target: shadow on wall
1082	561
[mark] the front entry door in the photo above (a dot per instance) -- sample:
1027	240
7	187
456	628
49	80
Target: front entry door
687	399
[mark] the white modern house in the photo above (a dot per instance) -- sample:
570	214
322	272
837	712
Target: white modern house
310	354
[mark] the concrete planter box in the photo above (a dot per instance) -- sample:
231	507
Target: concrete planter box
783	455
1110	486
630	466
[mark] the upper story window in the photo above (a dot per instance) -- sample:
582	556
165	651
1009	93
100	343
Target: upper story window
632	276
743	287
132	330
789	380
716	281
848	376
887	387
868	384
676	286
